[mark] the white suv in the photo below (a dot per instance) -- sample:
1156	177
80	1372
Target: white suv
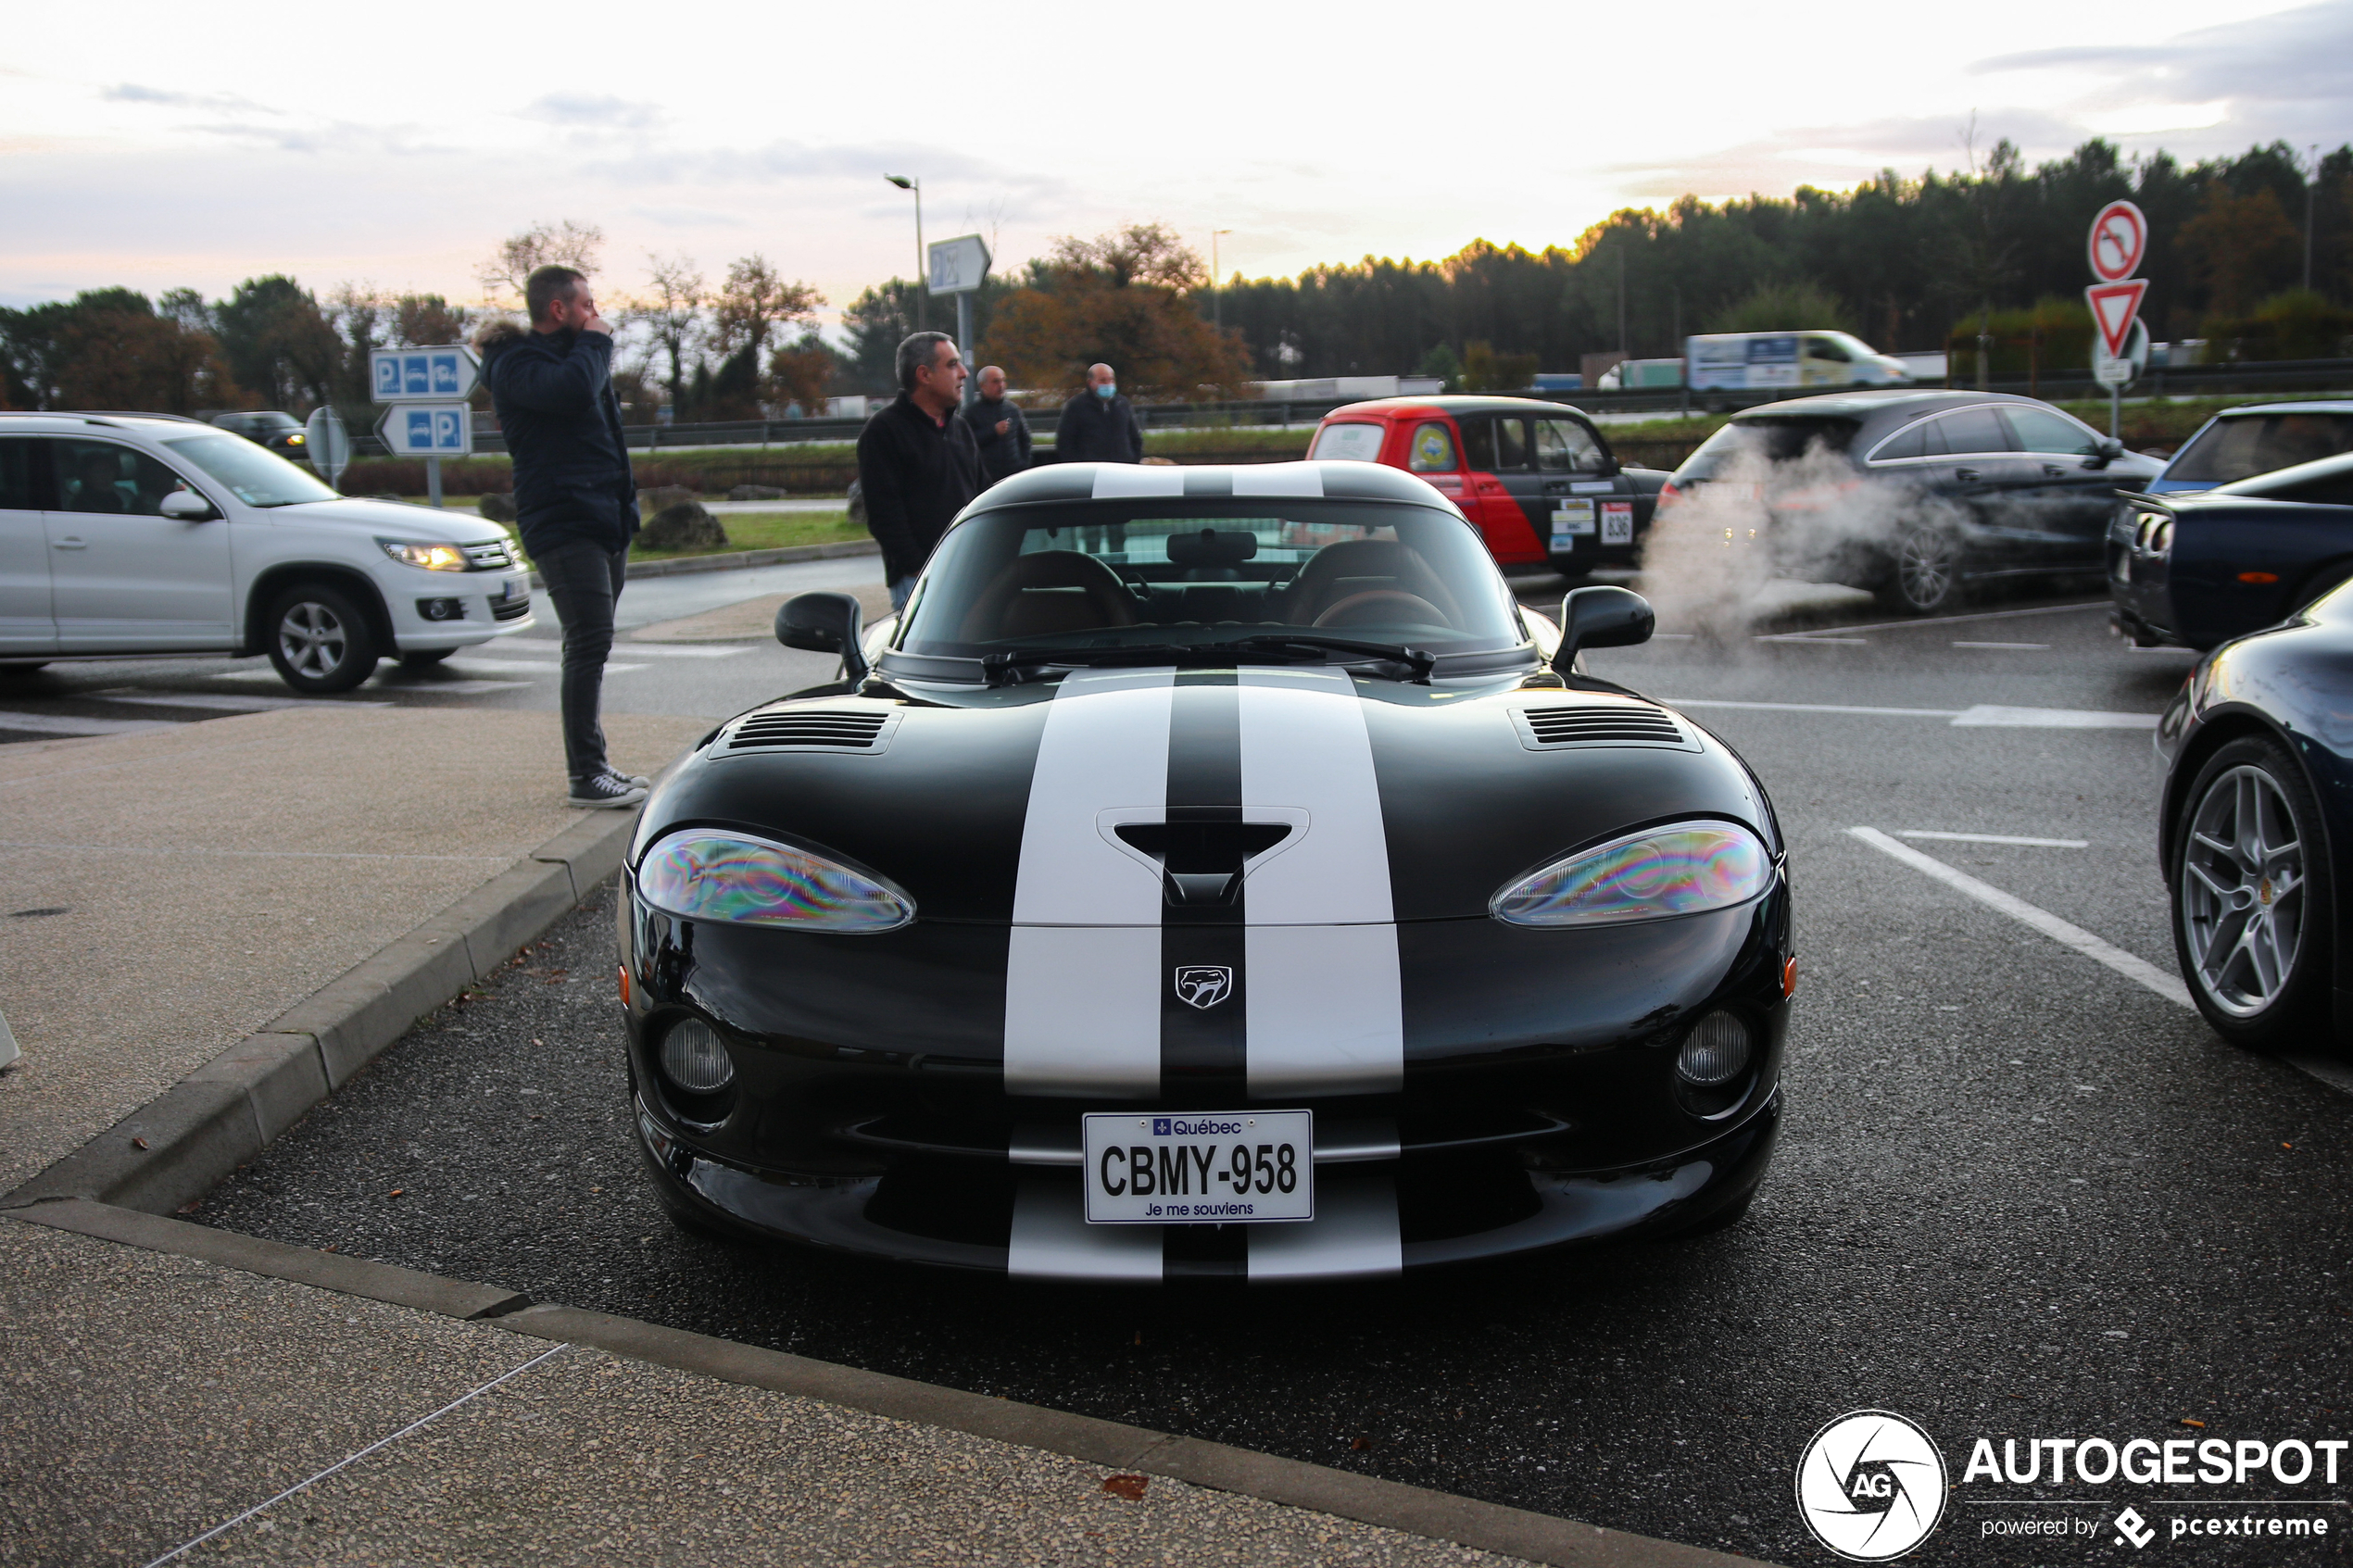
145	533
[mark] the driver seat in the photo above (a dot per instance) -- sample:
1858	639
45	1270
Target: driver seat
1048	593
1356	566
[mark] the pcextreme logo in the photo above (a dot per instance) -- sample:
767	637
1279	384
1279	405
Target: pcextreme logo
1871	1485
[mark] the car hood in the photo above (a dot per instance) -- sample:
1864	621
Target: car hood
1341	799
393	519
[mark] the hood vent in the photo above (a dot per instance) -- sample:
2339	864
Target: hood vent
1600	724
812	729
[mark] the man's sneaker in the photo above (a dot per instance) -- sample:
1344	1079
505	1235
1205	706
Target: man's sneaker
607	789
640	780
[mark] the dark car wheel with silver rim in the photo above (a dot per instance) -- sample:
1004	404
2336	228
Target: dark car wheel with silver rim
1924	572
2251	898
320	640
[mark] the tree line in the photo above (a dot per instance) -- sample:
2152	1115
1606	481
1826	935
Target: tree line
1996	251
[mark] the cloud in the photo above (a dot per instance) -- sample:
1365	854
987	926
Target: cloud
591	111
217	103
2303	57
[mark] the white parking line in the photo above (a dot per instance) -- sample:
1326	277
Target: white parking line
636	649
1997	839
1983	716
535	666
1956	619
1798	637
225	702
2137	969
2042	648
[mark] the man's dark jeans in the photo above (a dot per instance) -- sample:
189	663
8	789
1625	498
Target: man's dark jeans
585	581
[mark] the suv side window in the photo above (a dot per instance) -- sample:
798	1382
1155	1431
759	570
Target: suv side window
1972	431
1922	439
1433	450
1565	446
2039	429
99	476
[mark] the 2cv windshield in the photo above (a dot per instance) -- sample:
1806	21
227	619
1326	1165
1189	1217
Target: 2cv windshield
1114	574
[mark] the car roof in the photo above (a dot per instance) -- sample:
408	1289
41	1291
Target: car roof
114	419
1863	405
2315	405
1454	403
1203	482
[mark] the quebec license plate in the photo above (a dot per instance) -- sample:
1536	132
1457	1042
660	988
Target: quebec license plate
1201	1167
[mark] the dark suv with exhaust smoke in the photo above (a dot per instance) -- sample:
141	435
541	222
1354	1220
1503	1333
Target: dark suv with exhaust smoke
1918	496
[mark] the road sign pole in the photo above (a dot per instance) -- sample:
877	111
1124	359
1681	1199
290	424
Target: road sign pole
2115	410
433	479
964	342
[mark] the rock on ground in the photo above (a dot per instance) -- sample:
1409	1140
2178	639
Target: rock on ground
682	526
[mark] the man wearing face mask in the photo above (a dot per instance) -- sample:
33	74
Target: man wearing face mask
1098	425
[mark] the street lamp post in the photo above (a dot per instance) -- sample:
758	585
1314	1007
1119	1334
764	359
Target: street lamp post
1217	282
922	281
2311	183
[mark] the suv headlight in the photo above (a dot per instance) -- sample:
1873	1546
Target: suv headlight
1680	870
706	874
432	558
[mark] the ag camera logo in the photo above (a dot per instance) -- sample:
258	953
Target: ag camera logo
1871	1485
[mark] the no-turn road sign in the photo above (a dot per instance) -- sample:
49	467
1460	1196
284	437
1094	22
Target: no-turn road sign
2120	236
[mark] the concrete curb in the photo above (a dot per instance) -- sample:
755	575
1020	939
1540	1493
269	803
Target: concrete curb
736	560
180	1145
1535	1537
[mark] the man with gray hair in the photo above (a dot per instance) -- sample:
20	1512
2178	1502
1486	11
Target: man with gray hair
917	465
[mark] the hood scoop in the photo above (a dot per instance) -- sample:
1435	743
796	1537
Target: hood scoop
812	729
1568	726
1201	858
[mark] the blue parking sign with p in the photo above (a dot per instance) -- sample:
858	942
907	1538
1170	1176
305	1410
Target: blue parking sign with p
447	435
388	377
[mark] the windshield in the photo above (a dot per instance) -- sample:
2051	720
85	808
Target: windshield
1114	574
2254	443
256	475
1776	439
1349	442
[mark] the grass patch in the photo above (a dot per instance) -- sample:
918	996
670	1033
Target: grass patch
771	531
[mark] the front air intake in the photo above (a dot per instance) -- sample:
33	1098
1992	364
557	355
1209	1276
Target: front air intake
810	729
1592	724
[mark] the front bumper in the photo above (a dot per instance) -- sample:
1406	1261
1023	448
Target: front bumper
870	1112
473	606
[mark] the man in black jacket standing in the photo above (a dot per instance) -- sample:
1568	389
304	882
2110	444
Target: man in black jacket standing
576	498
1000	428
1098	425
917	465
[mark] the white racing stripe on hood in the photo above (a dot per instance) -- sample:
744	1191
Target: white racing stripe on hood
1082	972
1322	987
1118	481
1353	1235
1051	1240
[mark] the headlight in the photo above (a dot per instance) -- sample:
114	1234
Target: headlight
707	874
296	439
432	558
1672	870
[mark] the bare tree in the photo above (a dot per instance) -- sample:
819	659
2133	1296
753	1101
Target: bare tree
671	311
754	301
517	256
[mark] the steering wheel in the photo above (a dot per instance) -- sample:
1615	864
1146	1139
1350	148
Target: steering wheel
1415	605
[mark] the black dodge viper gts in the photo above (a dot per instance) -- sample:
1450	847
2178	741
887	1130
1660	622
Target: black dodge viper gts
1214	872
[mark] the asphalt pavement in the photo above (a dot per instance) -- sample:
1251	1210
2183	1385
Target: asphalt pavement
2022	1191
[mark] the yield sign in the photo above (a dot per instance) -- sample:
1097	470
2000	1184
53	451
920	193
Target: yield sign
2113	308
2118	236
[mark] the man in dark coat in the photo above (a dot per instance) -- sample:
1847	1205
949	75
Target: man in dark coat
917	465
576	498
1098	425
998	429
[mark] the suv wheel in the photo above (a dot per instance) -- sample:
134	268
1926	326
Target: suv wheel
2251	899
320	640
1924	576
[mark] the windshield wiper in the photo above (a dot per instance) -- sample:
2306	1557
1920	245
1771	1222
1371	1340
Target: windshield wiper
1006	668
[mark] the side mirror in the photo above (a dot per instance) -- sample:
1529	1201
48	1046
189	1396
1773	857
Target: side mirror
1602	617
824	623
2108	450
187	507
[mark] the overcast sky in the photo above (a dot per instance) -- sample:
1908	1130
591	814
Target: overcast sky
157	146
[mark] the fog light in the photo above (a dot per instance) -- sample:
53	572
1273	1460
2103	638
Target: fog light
1714	1052
694	1061
442	609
